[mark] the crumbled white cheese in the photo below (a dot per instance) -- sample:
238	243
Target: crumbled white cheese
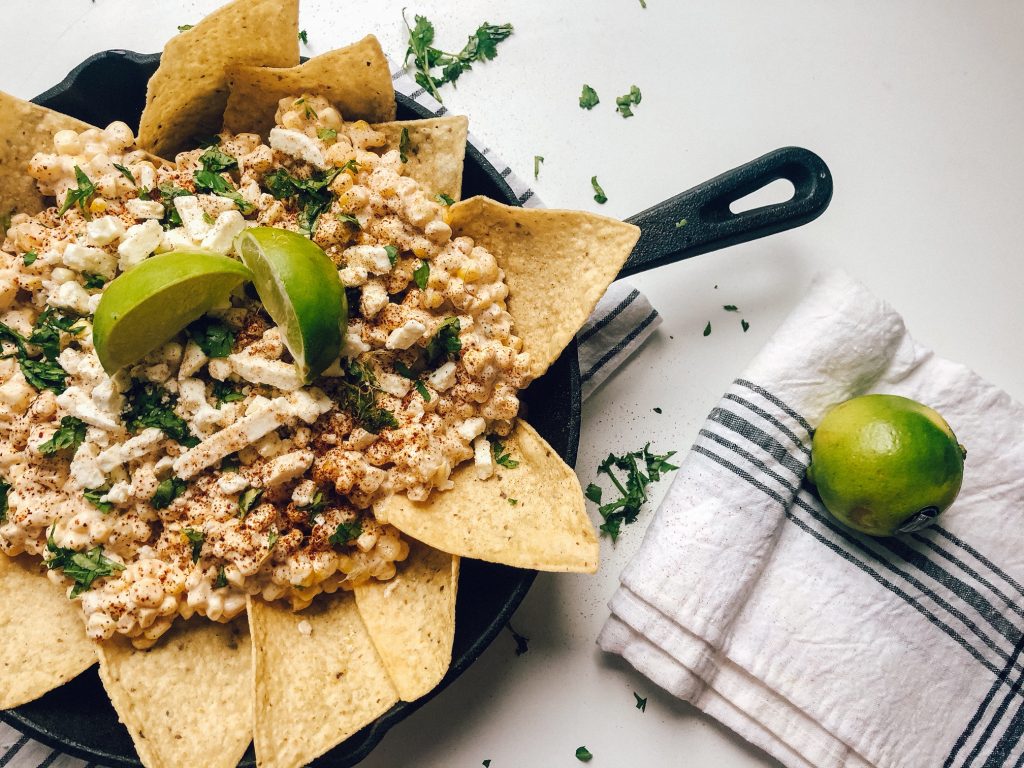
138	243
394	384
77	402
192	360
258	421
135	448
443	378
354	345
145	209
84	471
70	296
219	368
222	234
308	404
232	483
105	229
298	145
258	370
305	628
193	217
406	335
287	467
119	493
483	457
472	427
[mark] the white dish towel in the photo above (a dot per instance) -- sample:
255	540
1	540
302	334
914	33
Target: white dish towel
825	647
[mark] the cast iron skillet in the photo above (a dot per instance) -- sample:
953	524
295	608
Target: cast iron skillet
78	718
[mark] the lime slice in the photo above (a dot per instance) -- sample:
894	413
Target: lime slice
147	306
300	289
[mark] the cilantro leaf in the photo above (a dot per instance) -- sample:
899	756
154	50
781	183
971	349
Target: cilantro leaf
94	282
421	275
707	329
583	755
392	253
422	389
248	499
83	568
212	336
445	344
631	99
445	199
316	505
327	134
216	161
225	393
167	491
79	196
5	488
588	97
522	642
311	195
68	436
222	579
745	325
593	493
185	27
350	219
681	223
149	405
501	457
641	704
599	195
730	308
124	171
168	192
346	533
303	37
357	395
95	497
29	258
47	330
196	538
44	374
403	143
537	160
632	494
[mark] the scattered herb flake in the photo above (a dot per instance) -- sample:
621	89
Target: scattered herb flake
421	275
94	282
632	495
422	389
486	764
707	329
583	754
346	533
126	173
225	393
537	160
730	308
212	336
624	103
445	344
211	177
522	642
79	196
327	134
196	538
352	166
681	223
656	410
350	219
83	568
313	195
316	505
5	487
68	436
222	579
168	192
745	325
272	538
357	395
30	257
641	704
445	199
482	45
513	502
303	37
167	491
149	405
248	499
588	97
599	195
403	146
643	3
185	27
95	497
392	253
593	493
501	457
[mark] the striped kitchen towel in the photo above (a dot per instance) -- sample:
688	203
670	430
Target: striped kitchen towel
622	321
825	647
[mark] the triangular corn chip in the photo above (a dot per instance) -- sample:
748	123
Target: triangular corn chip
313	689
436	151
186	701
546	528
186	96
557	265
355	79
42	637
411	619
25	128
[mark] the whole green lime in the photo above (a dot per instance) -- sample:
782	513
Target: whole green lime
885	464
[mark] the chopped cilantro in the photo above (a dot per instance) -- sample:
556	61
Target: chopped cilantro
588	97
350	219
327	134
316	505
745	325
537	160
167	491
212	336
599	194
205	142
482	45
352	166
641	704
730	308
403	146
230	463
222	579
633	494
522	642
29	258
392	253
681	223
445	344
346	533
707	329
357	395
421	275
486	764
404	370
225	393
312	195
185	27
583	754
631	99
207	218
196	538
68	436
445	199
168	192
47	330
211	179
83	568
126	173
5	487
656	409
514	502
79	196
303	37
94	282
422	389
643	3
95	497
272	538
44	374
501	457
149	405
248	499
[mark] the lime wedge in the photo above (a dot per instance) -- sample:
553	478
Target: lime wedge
300	289
147	306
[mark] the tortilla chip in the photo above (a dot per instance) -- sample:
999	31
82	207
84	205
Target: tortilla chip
25	128
437	151
547	527
355	79
186	96
411	619
557	265
42	638
312	691
186	701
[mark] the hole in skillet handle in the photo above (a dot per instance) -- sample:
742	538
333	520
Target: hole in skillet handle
701	220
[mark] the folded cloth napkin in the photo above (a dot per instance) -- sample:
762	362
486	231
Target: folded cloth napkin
824	647
621	322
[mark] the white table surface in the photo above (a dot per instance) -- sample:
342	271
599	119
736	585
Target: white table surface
918	108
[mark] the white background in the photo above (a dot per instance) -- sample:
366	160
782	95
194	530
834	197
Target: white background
916	105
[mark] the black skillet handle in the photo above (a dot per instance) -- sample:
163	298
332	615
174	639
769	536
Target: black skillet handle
710	225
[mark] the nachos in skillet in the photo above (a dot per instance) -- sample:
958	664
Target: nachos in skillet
339	513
